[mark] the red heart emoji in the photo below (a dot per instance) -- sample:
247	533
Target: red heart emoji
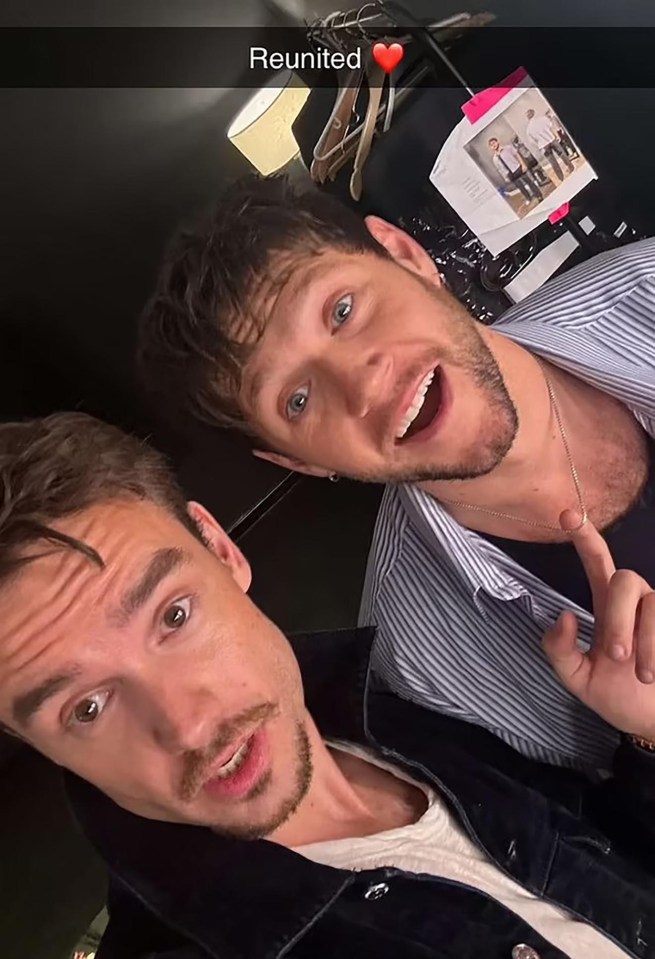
389	56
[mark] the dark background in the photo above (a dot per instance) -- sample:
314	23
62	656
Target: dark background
93	182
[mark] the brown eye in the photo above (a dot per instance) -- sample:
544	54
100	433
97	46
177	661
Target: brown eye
90	708
87	711
177	614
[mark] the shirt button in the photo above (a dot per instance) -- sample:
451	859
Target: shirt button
380	889
524	952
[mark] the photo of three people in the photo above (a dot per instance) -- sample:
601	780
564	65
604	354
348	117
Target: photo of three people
526	152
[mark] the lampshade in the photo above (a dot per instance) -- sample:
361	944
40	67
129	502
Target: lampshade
262	128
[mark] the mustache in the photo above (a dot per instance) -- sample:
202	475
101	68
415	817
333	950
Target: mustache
196	764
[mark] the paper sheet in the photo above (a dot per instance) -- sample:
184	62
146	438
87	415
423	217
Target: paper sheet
512	167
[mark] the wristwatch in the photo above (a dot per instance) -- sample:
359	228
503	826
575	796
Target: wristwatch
646	744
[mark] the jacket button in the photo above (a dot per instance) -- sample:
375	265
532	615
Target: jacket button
524	952
378	890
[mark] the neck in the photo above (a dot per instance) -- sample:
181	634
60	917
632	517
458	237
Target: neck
347	797
534	477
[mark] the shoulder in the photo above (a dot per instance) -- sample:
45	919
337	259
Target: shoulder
593	291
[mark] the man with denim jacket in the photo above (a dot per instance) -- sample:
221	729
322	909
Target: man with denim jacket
258	798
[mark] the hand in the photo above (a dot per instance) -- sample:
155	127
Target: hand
616	678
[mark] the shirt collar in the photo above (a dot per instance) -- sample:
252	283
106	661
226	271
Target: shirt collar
474	559
212	888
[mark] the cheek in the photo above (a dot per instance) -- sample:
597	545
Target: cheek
253	657
274	662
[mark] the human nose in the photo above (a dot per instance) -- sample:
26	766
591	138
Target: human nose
366	383
183	716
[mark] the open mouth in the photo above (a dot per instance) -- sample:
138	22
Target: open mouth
424	408
234	762
240	772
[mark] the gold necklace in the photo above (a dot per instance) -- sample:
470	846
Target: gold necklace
574	476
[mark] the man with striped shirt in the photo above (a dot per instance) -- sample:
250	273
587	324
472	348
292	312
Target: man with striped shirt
335	343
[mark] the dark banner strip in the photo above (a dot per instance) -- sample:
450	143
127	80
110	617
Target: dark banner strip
250	58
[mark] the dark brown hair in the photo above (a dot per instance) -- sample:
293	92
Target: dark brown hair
54	467
207	311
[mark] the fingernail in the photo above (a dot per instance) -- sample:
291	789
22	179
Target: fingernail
617	652
646	676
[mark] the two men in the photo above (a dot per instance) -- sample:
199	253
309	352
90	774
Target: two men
260	799
543	136
335	345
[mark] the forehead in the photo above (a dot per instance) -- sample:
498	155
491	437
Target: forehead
123	533
273	301
295	277
60	594
299	298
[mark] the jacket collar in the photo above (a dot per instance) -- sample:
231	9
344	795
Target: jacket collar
210	888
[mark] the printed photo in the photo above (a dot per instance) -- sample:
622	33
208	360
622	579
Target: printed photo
510	164
527	153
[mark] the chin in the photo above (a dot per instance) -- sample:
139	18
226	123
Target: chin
480	459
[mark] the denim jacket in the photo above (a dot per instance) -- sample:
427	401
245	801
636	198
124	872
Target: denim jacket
183	892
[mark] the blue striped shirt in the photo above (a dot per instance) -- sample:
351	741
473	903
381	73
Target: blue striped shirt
459	622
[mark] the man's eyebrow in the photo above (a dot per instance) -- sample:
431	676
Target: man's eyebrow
161	564
25	706
316	270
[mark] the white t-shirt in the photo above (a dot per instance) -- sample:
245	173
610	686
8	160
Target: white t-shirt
437	845
541	131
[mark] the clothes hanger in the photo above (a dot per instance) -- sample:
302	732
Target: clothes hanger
337	126
375	77
350	82
341	154
333	138
337	142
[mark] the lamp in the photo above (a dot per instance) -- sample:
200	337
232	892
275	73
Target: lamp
261	130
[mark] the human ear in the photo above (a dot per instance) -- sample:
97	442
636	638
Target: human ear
291	463
403	248
225	549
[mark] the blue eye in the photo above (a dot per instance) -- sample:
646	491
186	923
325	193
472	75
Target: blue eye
342	310
297	402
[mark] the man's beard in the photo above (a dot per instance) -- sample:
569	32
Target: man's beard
472	355
301	781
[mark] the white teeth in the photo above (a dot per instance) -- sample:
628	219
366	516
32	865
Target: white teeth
233	764
416	405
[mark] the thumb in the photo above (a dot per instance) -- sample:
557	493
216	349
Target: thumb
560	646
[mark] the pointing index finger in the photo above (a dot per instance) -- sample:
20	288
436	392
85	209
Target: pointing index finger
594	555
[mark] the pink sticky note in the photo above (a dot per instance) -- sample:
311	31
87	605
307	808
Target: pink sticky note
482	102
560	213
